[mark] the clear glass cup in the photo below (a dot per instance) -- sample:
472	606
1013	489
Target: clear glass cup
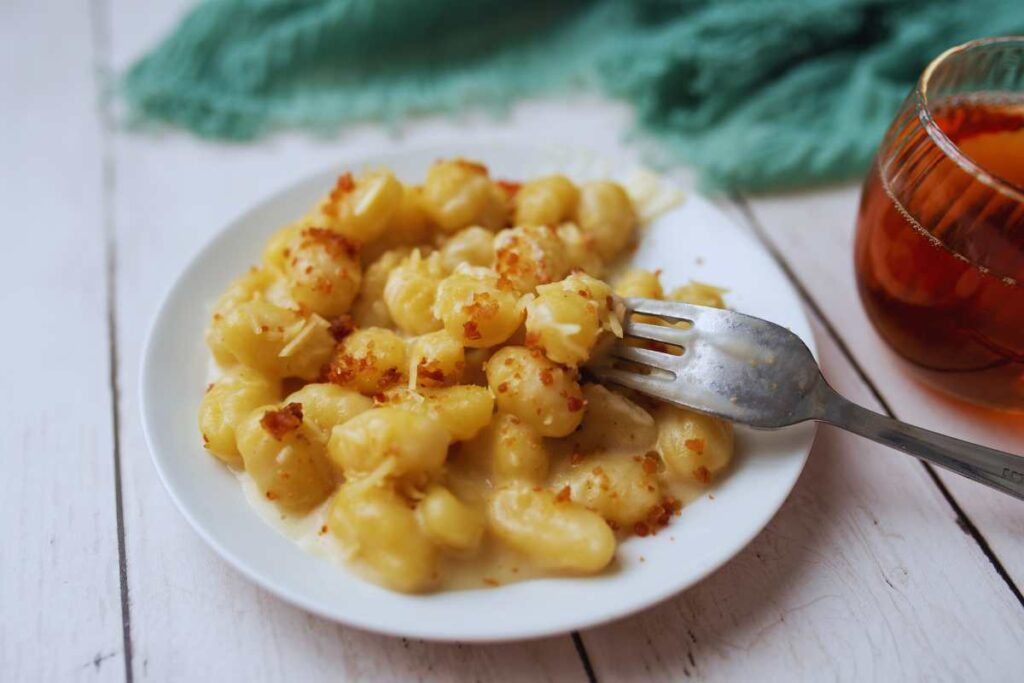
939	251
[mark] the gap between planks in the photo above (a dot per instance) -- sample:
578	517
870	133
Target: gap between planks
962	519
99	16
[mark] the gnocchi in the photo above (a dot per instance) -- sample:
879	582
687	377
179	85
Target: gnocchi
476	309
624	491
567	318
459	193
409	225
370	309
699	293
606	214
541	393
448	521
462	410
359	209
556	534
410	291
645	284
693	445
389	441
287	463
224	405
322	271
528	256
275	341
324	406
369	360
550	200
515	451
473	246
378	527
436	360
405	373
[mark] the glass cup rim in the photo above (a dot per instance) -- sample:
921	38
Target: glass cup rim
950	148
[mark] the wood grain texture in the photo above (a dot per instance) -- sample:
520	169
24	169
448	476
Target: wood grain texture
813	233
60	608
863	575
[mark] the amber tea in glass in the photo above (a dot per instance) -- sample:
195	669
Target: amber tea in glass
939	251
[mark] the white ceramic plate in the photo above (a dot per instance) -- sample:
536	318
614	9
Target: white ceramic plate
694	240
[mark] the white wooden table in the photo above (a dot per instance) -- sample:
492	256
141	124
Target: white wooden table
877	568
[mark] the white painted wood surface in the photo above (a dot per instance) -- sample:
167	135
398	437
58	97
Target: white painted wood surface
60	601
864	575
822	223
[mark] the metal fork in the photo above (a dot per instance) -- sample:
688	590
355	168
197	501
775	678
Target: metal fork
757	373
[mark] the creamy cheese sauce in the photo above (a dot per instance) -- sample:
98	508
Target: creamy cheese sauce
494	564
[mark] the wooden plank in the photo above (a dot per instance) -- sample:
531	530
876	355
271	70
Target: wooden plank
813	232
863	575
59	587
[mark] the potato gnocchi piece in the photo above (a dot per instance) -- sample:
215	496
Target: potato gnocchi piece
694	446
580	252
473	246
326	405
360	209
276	341
408	226
448	521
541	393
700	294
368	360
410	292
323	271
624	491
436	359
389	441
458	193
370	309
226	403
252	285
645	284
606	214
517	451
277	250
476	309
463	410
613	422
528	256
378	526
567	318
550	200
285	461
556	535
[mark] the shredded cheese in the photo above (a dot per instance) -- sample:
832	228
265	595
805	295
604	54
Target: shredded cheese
303	334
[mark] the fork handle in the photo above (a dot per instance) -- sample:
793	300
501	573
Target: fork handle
1002	471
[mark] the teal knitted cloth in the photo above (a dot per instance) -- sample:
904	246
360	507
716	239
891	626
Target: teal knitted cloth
757	94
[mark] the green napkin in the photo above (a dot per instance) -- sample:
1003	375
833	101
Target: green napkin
757	94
